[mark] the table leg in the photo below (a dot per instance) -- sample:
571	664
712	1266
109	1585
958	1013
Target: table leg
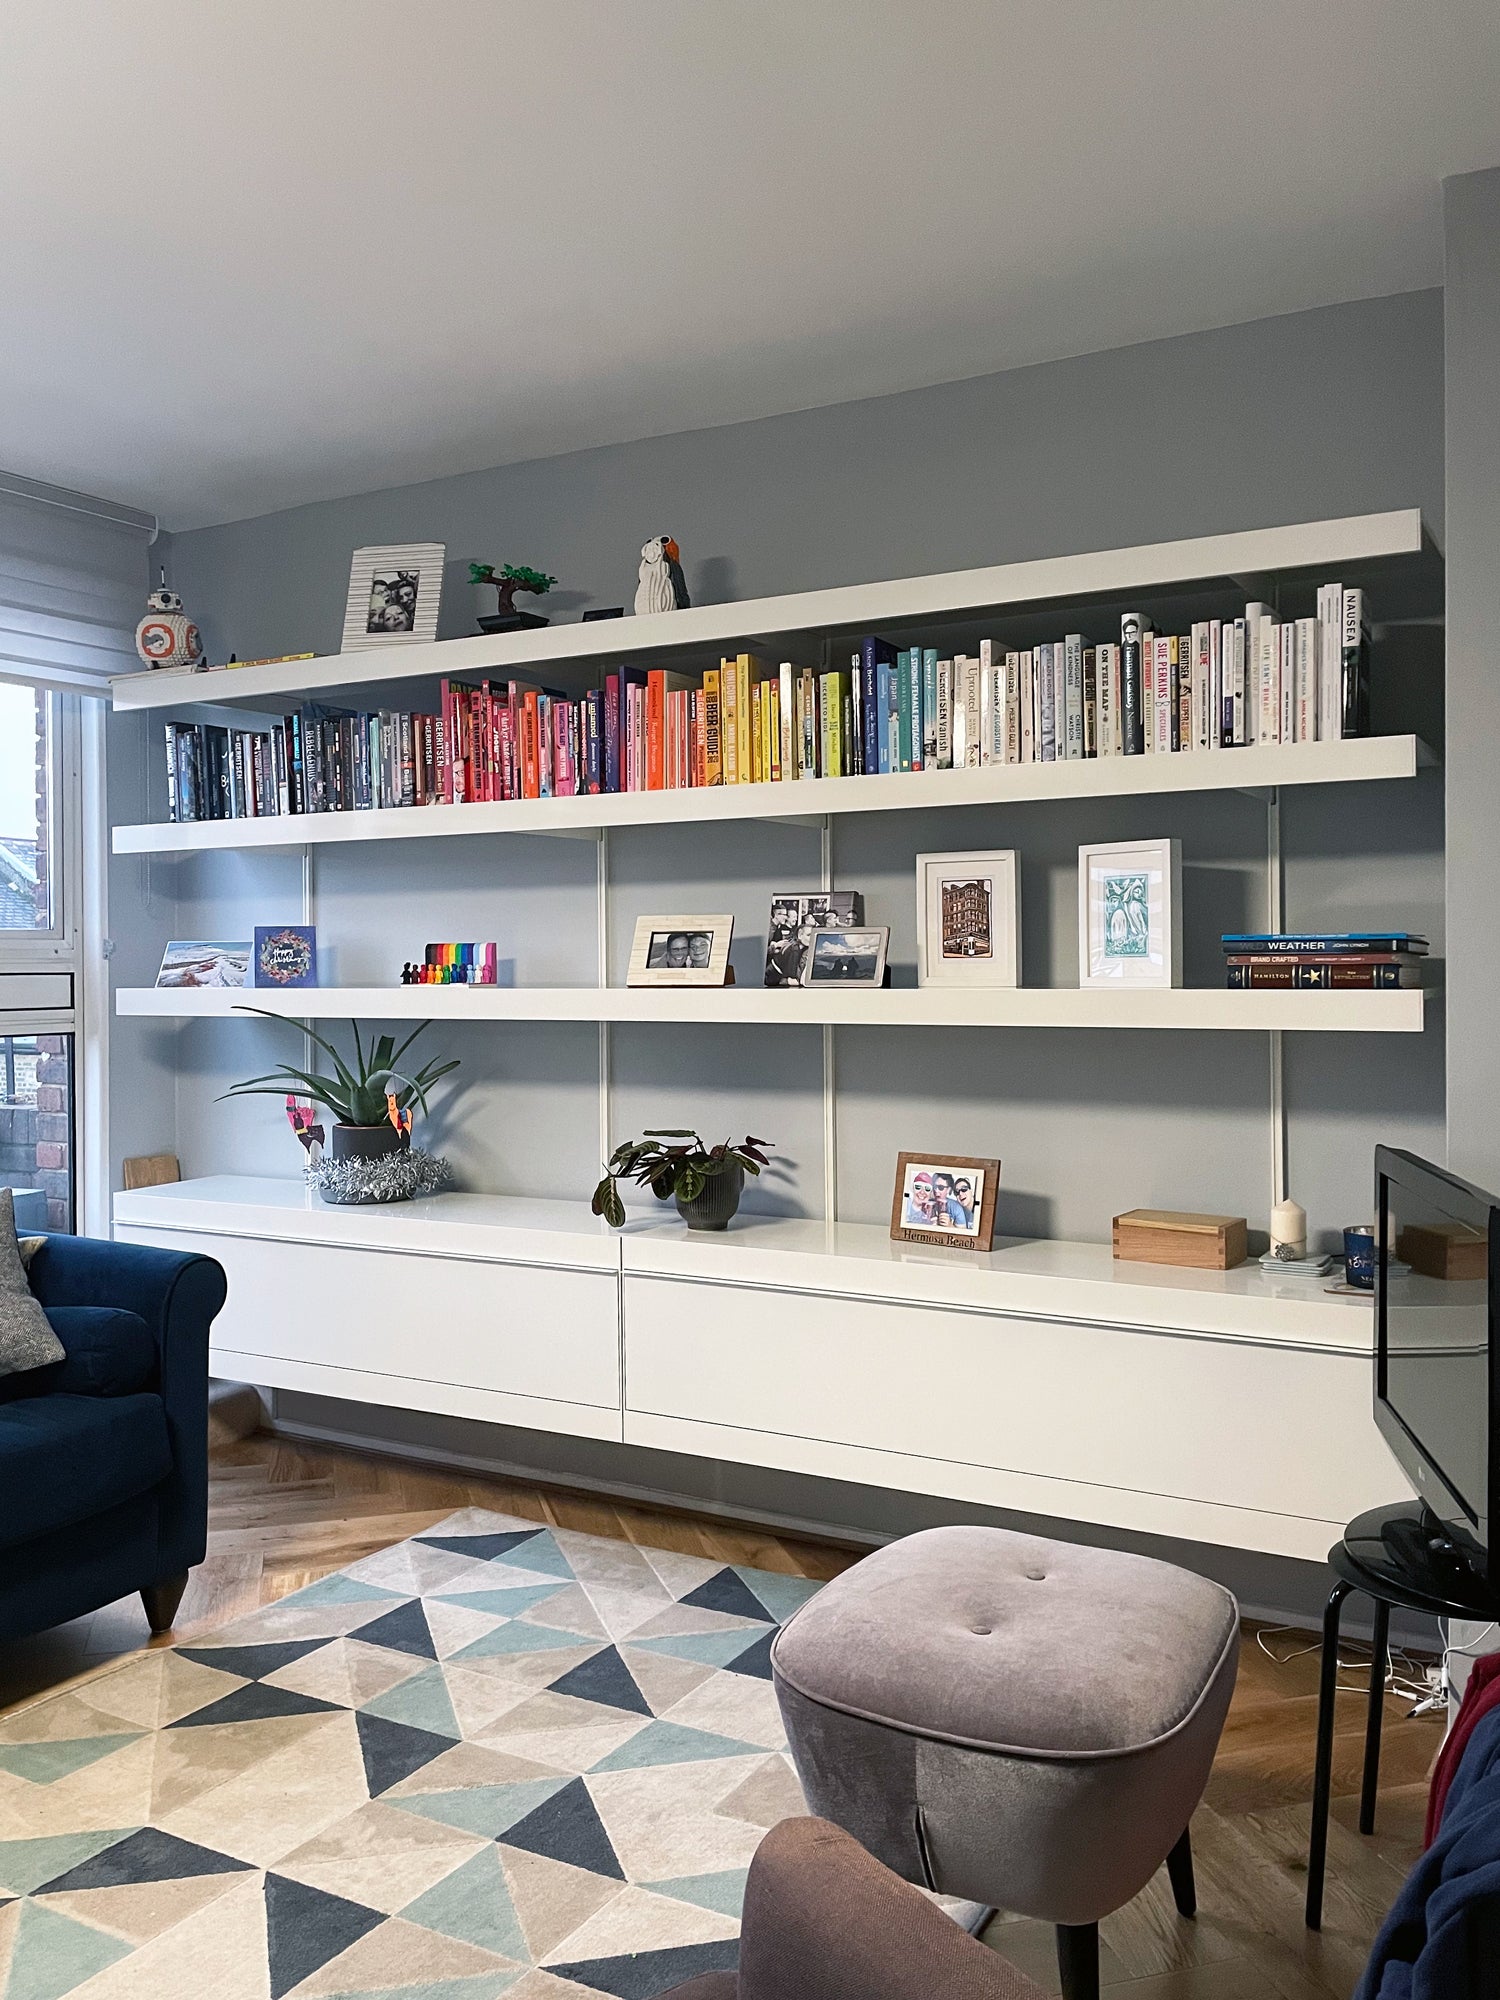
1317	1846
1379	1661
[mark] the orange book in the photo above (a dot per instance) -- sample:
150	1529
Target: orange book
661	685
531	752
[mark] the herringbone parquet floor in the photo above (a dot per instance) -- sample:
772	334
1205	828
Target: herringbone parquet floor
283	1515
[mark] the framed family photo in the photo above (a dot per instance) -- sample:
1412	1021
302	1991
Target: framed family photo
944	1200
393	596
680	951
1130	914
795	921
854	957
969	919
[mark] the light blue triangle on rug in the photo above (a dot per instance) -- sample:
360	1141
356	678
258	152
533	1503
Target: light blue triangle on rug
474	1905
714	1649
423	1701
519	1638
45	1763
341	1589
673	1743
541	1555
474	1986
488	1810
723	1893
503	1603
26	1864
781	1595
51	1954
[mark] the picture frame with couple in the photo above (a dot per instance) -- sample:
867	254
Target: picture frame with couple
946	1200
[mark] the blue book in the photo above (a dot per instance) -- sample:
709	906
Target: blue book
875	654
929	709
901	758
1320	944
884	674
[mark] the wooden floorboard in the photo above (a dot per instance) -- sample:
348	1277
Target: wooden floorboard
283	1514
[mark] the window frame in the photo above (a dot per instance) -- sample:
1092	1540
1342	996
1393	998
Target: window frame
57	949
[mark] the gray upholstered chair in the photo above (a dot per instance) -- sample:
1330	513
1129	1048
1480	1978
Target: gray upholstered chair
823	1921
1018	1722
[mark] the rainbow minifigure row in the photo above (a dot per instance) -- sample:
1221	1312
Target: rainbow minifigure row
453	965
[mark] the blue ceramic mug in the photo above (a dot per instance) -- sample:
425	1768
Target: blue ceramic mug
1359	1257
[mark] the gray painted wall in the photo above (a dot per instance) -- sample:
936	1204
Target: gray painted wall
1323	413
1471	223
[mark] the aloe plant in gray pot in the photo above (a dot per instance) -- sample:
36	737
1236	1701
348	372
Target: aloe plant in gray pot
706	1181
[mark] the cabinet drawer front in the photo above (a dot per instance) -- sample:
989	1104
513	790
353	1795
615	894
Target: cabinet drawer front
1256	1427
519	1328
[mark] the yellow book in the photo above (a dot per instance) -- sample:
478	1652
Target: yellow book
757	732
773	726
713	736
748	671
835	686
730	720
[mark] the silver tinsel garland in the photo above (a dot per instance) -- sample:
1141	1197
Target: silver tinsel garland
393	1177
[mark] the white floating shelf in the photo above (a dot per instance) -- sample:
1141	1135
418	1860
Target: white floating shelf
1360	759
798	624
914	1007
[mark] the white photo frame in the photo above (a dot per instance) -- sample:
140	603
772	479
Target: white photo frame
1130	914
969	918
393	596
854	956
680	951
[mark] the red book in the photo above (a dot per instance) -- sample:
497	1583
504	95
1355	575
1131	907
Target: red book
531	767
507	751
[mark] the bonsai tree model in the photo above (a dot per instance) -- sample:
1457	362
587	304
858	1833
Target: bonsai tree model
371	1099
507	580
706	1180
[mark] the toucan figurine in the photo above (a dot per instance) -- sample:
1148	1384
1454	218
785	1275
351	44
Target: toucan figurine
662	587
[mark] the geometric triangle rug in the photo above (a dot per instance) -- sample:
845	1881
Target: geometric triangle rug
495	1759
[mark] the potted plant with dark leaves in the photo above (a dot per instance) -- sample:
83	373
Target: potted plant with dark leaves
372	1100
706	1181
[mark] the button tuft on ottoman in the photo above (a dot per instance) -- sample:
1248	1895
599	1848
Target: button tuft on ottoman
1014	1721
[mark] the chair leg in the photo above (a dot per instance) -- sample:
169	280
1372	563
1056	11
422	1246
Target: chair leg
161	1601
1317	1846
1379	1661
1180	1874
1078	1960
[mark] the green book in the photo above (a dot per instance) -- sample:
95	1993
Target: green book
904	679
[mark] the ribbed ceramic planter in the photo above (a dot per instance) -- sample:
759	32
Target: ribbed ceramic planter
720	1198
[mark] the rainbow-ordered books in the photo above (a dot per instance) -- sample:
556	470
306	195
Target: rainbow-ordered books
453	965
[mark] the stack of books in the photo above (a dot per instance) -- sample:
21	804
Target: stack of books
1226	683
1370	959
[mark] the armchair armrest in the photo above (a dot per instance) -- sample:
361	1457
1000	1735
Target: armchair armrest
177	1295
825	1921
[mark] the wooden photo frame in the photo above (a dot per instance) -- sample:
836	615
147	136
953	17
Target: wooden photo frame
929	1204
681	951
393	597
969	919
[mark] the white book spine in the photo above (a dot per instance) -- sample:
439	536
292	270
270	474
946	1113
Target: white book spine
945	715
1305	681
787	707
1330	619
1013	708
973	705
1047	741
1028	708
1073	696
987	722
1286	680
1267	683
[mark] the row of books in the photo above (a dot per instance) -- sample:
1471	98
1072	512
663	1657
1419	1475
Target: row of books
1227	682
1325	959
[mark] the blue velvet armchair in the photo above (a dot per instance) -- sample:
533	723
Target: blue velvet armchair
104	1455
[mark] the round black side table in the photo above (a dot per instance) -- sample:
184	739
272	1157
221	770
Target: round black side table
1397	1556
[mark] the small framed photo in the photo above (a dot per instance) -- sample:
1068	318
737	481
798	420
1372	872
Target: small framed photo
1130	914
285	955
680	951
393	596
943	1200
795	921
854	957
969	919
192	962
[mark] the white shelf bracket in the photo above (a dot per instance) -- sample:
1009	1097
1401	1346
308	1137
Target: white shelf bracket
593	833
1275	887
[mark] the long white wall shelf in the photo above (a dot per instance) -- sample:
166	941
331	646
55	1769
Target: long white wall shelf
828	1350
900	1006
1252	769
798	622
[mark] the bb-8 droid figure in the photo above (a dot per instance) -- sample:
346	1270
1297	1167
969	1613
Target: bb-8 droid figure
166	637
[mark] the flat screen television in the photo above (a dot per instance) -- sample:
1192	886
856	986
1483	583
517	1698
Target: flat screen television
1437	1392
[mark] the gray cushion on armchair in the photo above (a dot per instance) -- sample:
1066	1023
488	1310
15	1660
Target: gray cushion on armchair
26	1339
824	1921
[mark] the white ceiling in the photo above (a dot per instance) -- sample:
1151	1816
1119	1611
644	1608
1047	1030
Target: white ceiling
258	252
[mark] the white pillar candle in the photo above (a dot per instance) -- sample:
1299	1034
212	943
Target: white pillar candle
1289	1229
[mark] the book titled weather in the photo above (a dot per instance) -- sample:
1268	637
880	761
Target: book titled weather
285	955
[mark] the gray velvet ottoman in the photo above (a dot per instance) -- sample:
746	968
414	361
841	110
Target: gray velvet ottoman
1017	1722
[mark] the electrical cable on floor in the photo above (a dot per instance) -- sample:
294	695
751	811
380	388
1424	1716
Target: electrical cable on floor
1407	1675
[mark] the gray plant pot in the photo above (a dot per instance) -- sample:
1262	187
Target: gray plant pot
366	1142
718	1202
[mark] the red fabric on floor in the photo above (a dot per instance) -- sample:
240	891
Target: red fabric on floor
1481	1694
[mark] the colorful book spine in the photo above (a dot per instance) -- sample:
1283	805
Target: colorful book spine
1322	944
1303	974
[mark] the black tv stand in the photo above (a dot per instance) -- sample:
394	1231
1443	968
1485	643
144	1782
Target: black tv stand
1401	1556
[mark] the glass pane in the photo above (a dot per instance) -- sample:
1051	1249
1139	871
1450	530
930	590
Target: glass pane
36	1129
25	809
